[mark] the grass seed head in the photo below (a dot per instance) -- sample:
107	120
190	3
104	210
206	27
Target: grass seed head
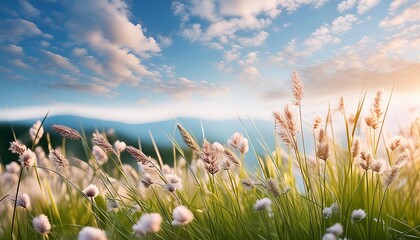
41	224
67	132
91	233
181	216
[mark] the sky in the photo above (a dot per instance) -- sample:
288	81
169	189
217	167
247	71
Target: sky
144	61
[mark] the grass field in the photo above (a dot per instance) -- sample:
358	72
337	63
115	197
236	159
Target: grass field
365	187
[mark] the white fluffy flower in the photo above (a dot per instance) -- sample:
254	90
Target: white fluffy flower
148	223
262	204
91	233
28	158
22	200
173	182
36	132
42	224
91	191
99	154
358	215
336	229
327	212
119	146
329	236
182	216
243	146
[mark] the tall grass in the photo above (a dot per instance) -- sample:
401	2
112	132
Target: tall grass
365	187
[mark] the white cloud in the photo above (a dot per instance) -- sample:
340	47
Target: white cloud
255	41
366	5
78	52
232	54
61	62
13	49
396	4
18	29
28	9
165	41
346	5
251	71
20	63
343	24
410	14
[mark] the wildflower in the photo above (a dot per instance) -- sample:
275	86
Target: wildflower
22	200
138	155
91	233
12	167
99	154
36	132
273	187
119	146
297	89
100	140
181	216
262	204
358	215
189	140
42	224
173	182
248	184
148	223
146	180
59	160
17	147
91	191
28	158
67	132
336	229
327	212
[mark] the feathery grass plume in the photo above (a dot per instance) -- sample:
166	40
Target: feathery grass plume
28	158
395	143
17	147
67	132
111	204
226	164
286	126
376	108
322	149
366	159
181	216
390	175
148	223
173	182
297	89
138	155
99	140
340	106
91	233
377	165
210	154
119	146
327	212
372	121
58	159
248	184
41	224
235	140
317	122
146	180
262	204
401	160
232	157
243	146
91	191
99	154
36	132
23	200
272	187
336	229
13	167
355	148
357	215
189	140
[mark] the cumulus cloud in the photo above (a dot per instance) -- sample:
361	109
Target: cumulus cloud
366	5
60	61
346	5
343	24
13	49
410	14
28	9
255	41
396	4
18	29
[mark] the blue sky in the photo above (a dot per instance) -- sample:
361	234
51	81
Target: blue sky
142	61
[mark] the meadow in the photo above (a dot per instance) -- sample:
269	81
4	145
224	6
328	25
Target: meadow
364	187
